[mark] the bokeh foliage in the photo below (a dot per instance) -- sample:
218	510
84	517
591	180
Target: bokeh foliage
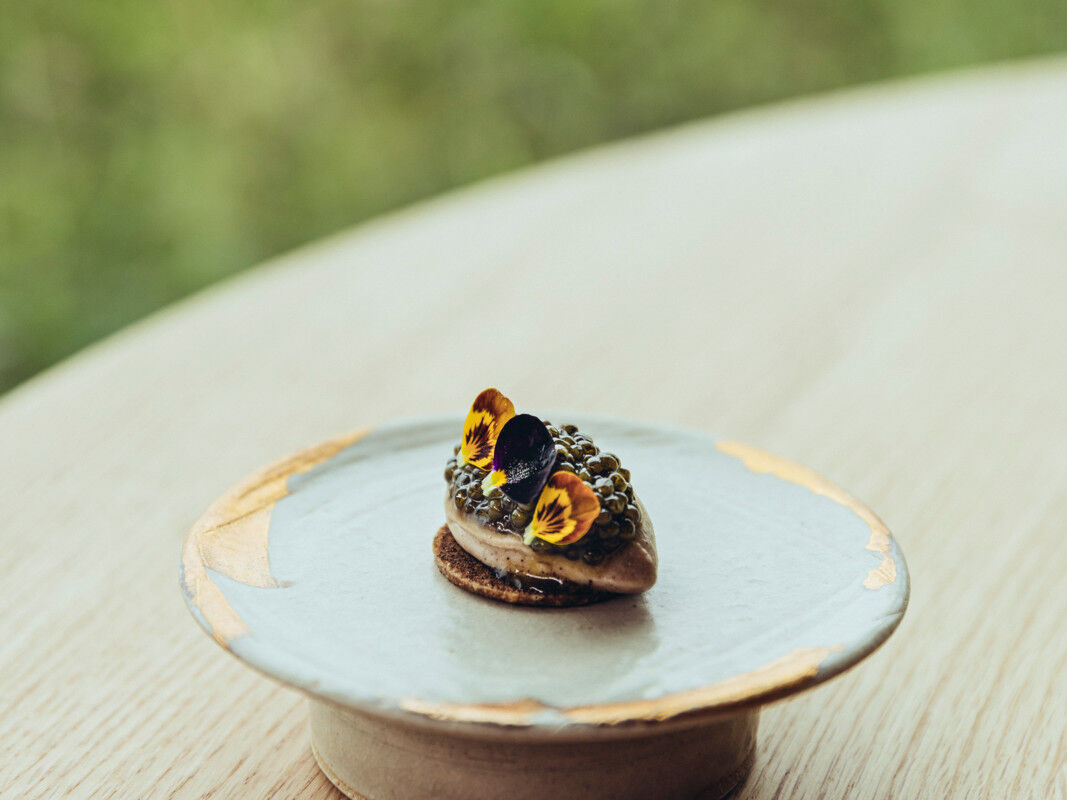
150	148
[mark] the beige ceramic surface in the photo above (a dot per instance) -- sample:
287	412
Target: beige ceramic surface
872	283
370	757
771	579
318	571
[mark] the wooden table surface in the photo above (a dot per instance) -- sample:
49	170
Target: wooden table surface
873	283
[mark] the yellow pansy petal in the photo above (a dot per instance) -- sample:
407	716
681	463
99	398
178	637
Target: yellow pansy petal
564	512
487	416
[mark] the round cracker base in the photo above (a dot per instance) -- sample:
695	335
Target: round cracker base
467	572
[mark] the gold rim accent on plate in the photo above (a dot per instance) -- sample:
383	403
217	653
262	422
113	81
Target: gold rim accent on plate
762	462
766	683
232	537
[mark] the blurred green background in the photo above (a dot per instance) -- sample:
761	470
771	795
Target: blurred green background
150	148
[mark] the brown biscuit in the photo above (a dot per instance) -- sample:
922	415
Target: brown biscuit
467	572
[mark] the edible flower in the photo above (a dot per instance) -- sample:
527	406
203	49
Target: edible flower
522	459
565	511
488	415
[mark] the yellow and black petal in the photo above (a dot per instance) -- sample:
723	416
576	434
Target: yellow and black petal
488	414
564	512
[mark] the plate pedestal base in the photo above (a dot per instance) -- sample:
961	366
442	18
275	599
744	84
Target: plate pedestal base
381	758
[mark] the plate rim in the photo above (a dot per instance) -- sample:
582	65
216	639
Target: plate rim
254	497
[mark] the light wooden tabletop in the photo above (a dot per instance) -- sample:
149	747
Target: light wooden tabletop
874	284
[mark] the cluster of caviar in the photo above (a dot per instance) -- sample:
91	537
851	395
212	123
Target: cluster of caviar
494	508
575	452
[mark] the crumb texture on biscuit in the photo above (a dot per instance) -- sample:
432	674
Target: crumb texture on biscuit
470	574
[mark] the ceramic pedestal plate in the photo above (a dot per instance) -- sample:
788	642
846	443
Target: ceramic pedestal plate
318	571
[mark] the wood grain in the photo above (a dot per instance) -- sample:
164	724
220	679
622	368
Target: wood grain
872	283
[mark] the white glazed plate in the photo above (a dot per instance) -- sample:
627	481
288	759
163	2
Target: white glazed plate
318	571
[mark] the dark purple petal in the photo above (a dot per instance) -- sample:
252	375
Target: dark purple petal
525	452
